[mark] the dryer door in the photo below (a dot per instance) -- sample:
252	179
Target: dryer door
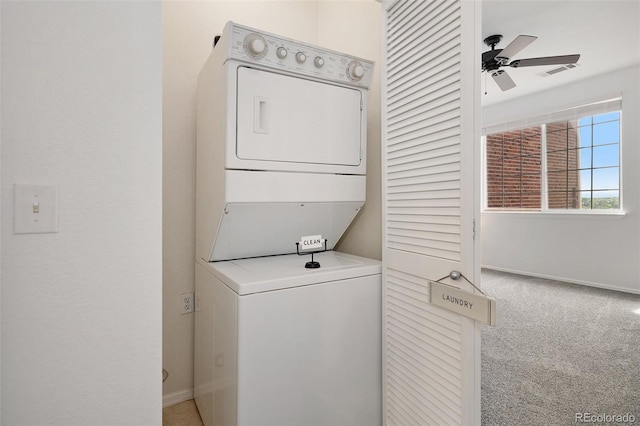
287	120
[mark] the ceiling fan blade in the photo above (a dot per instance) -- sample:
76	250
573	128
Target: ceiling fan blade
514	47
548	60
503	80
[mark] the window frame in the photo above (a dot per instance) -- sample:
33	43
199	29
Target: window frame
544	196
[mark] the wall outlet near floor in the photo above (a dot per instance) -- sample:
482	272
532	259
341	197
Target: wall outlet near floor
186	301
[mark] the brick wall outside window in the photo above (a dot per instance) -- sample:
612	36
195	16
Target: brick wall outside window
514	168
563	177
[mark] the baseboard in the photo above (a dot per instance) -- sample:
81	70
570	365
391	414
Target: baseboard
177	397
563	279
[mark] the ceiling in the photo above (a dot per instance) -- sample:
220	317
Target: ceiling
604	32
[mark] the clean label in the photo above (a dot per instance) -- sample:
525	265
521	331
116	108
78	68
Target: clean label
475	306
311	242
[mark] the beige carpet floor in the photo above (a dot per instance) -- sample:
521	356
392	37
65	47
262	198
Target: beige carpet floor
559	354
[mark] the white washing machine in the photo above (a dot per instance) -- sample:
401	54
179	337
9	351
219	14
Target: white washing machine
278	344
281	154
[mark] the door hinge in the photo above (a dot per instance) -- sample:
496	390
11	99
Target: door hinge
474	229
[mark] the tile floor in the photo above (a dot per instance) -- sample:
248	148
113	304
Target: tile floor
182	414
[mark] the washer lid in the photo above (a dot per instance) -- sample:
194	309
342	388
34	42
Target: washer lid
261	274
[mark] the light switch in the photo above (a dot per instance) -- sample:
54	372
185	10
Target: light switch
35	209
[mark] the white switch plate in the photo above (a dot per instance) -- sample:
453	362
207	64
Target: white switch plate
35	209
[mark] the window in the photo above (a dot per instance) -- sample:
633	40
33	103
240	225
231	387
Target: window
583	163
558	165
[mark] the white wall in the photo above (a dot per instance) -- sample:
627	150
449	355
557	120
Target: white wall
188	30
598	250
81	308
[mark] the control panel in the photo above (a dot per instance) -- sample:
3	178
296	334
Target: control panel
250	45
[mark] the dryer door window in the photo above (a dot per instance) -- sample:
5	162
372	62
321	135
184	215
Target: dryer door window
293	120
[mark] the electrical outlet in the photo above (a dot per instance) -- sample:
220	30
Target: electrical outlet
186	301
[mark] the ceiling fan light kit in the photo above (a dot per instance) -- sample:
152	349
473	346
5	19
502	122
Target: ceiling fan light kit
494	59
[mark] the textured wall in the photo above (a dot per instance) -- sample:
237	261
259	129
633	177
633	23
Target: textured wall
81	308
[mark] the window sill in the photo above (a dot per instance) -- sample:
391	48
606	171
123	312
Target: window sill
559	213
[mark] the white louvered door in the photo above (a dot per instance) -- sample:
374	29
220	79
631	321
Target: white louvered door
430	164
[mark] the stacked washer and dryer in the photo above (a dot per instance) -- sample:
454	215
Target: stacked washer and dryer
281	154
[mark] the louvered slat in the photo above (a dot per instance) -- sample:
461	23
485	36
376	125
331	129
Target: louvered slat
423	120
439	27
420	219
410	110
423	355
405	175
423	343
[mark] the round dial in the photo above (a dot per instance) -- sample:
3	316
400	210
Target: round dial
281	52
318	62
301	57
355	70
255	45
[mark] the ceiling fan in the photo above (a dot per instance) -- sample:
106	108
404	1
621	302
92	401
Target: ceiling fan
494	59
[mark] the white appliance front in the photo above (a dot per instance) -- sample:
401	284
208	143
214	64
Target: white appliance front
310	355
278	344
287	119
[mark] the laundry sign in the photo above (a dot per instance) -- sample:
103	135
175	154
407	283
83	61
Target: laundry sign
311	242
475	306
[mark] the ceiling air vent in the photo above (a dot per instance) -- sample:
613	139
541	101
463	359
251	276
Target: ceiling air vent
557	70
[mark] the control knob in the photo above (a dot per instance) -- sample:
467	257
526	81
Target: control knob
318	62
355	70
301	57
281	52
255	45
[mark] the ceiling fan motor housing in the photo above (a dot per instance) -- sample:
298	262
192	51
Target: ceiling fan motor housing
489	62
